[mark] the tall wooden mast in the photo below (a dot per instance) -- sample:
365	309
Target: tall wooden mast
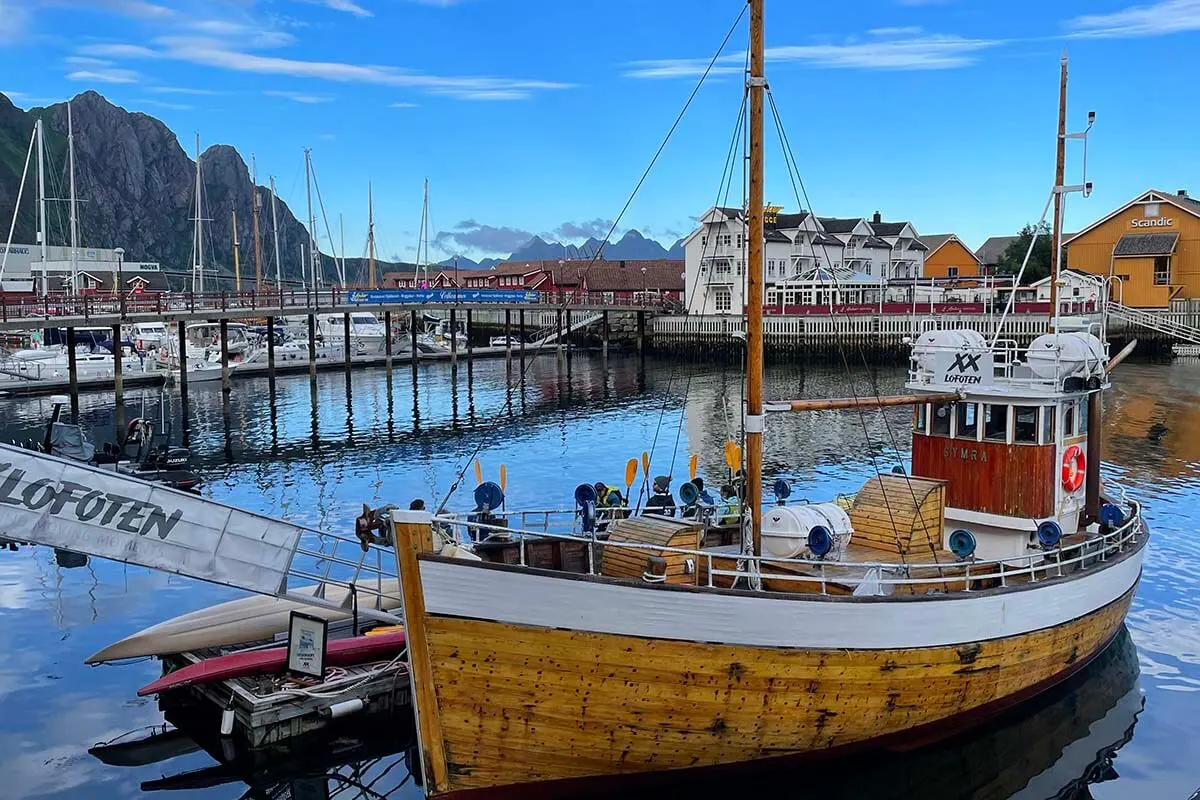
1059	177
370	239
256	207
756	85
237	264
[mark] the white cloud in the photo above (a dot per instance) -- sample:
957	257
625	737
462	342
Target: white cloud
907	30
1154	19
162	104
14	96
87	61
348	6
15	18
327	137
403	105
180	90
297	97
112	75
886	51
216	53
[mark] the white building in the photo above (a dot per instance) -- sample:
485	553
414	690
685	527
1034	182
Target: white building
807	260
24	270
1078	292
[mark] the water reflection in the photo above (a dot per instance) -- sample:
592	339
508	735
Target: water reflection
314	451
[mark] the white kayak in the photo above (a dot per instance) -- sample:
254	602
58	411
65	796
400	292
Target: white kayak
250	619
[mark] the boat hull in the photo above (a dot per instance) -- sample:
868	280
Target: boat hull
579	691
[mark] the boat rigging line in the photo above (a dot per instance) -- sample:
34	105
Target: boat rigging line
466	465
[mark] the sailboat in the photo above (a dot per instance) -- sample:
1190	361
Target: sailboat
994	570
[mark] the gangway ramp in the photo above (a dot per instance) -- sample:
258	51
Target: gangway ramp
1159	323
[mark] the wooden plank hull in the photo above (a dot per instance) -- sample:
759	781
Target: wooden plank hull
524	704
527	676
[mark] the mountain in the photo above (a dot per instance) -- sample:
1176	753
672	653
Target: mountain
137	188
633	246
676	250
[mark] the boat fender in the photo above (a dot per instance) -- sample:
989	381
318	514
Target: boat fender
1074	468
962	544
1049	534
820	541
1111	515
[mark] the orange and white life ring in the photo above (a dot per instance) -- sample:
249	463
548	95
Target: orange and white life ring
1074	468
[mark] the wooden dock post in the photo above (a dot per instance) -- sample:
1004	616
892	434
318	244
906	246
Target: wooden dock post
271	350
387	345
346	338
225	388
182	364
312	349
568	334
641	334
73	374
412	333
507	339
521	322
118	383
470	347
604	335
453	339
558	324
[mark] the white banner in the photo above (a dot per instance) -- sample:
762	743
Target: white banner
60	503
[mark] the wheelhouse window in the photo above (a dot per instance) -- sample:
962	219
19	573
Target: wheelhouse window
995	422
920	417
941	419
1068	426
1082	416
966	420
1048	425
1025	424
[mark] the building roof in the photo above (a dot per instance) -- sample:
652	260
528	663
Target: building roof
773	235
663	274
917	244
839	224
1179	199
990	252
826	239
1078	275
789	220
1146	244
934	241
730	212
888	228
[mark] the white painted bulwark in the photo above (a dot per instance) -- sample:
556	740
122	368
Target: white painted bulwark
521	598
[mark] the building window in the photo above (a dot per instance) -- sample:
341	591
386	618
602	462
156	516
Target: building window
1162	270
723	300
868	268
739	241
1151	210
725	240
703	241
721	268
951	272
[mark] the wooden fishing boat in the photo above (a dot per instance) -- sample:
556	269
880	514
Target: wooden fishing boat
938	598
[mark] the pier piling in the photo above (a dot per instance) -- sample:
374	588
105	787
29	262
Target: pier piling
507	339
558	324
271	351
73	374
470	347
604	335
641	334
312	349
118	384
181	362
225	387
412	335
568	334
453	339
346	338
521	321
387	346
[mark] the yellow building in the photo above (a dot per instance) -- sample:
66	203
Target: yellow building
1151	246
948	257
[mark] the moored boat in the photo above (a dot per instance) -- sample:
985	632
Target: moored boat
993	570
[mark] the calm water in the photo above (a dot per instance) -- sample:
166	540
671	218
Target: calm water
315	455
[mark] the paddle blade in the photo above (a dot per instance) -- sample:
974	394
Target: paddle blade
630	473
729	459
503	477
693	462
478	472
646	464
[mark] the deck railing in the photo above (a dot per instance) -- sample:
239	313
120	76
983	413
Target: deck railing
1032	567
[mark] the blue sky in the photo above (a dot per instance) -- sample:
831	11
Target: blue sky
539	116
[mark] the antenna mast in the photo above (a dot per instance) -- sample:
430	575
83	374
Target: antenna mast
198	271
41	176
1060	163
275	233
74	217
370	238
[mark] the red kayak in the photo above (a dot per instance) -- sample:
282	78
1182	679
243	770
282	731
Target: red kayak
339	653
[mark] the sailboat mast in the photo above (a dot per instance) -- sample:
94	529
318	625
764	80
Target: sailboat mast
1059	177
425	233
237	264
275	234
370	238
41	176
256	205
756	85
74	217
312	223
198	276
342	234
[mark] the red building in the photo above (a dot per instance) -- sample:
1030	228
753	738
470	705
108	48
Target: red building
618	281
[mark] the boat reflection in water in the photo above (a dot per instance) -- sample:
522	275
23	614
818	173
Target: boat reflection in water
1056	746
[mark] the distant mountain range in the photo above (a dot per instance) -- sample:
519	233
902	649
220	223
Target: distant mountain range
633	246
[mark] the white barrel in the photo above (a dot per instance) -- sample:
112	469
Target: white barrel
926	349
1065	355
785	528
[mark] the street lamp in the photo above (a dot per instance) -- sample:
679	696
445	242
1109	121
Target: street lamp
644	290
120	251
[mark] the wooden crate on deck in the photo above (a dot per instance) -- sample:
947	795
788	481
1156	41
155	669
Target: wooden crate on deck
899	514
658	532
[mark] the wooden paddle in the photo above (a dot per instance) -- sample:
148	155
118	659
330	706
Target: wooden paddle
693	462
